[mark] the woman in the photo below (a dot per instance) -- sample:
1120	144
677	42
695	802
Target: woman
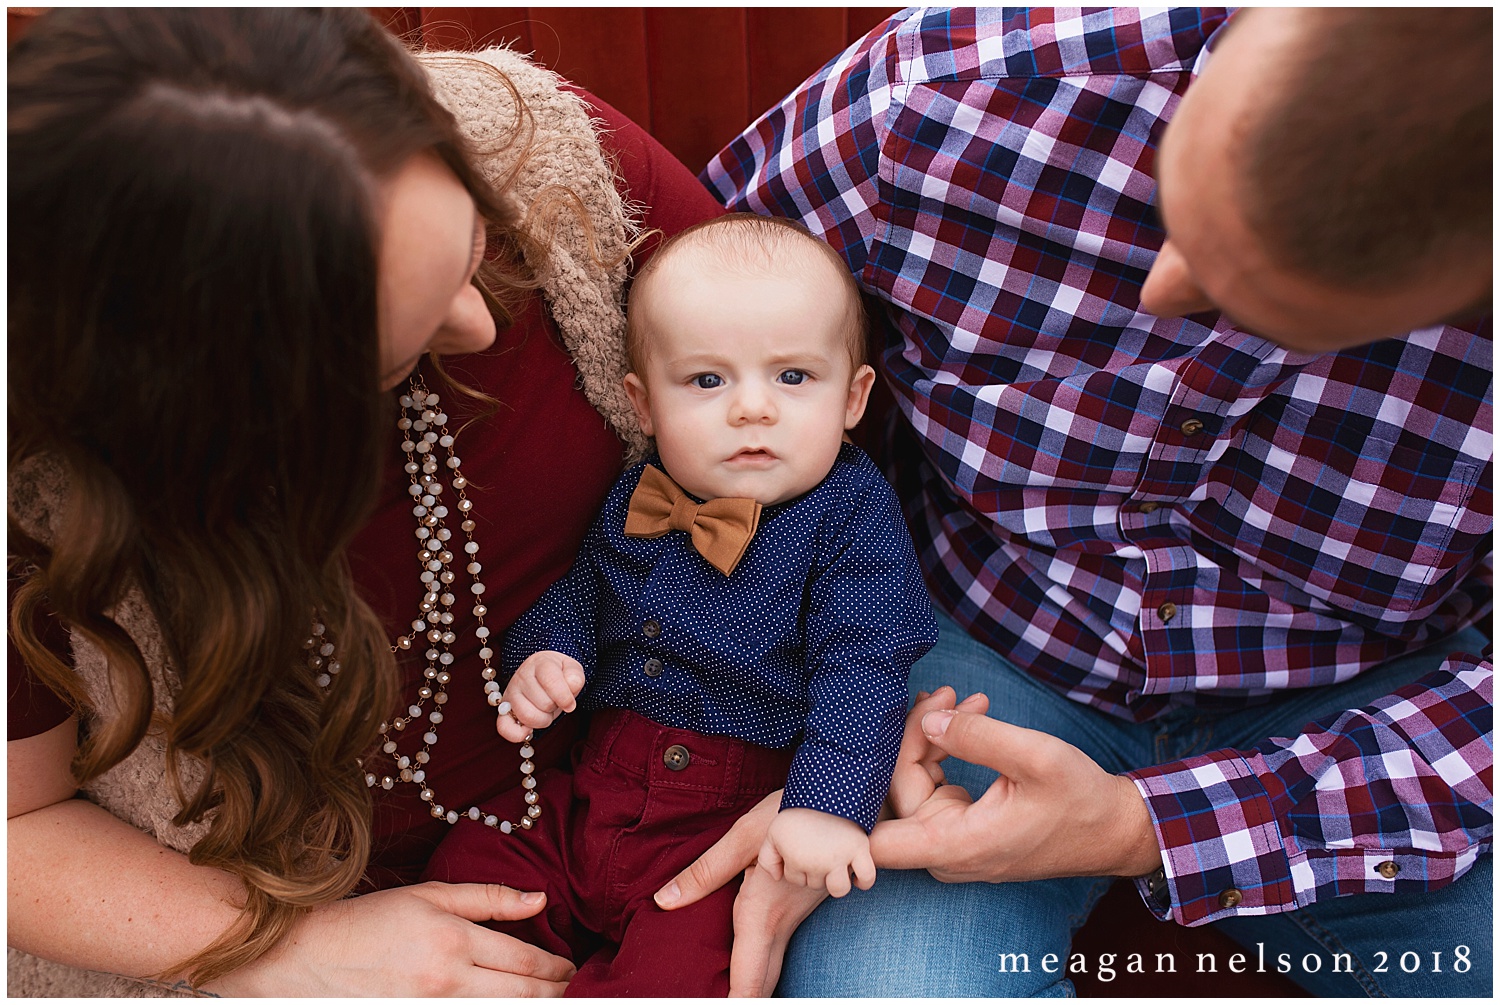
236	236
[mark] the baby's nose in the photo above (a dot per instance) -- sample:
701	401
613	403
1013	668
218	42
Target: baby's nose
754	403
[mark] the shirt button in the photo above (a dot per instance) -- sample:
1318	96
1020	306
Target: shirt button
1192	427
1166	612
676	757
653	667
1230	898
651	629
1388	869
1149	507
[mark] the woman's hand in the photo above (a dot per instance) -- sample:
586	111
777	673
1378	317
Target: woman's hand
1052	812
412	942
766	912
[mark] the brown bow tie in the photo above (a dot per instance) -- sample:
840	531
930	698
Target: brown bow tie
720	529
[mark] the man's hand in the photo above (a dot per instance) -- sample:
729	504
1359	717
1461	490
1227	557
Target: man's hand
544	686
820	850
1052	812
919	769
766	912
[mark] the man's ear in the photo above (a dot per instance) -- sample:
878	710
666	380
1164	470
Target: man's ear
640	400
859	395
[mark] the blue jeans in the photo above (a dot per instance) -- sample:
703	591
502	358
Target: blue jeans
911	936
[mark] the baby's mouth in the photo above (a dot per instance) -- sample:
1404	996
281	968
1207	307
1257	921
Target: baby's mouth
753	454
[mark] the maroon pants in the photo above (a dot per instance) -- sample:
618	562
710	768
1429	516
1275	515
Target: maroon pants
641	803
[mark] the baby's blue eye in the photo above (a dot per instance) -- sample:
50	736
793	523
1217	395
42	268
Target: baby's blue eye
792	376
707	381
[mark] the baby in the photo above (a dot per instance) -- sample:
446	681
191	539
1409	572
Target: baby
744	614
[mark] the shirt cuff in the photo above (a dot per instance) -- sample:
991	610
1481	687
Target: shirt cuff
1222	850
832	780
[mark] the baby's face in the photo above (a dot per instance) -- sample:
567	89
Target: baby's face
748	385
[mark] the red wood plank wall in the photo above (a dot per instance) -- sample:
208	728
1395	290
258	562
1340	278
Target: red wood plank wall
693	77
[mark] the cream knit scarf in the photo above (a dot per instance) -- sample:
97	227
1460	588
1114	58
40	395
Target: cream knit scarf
505	105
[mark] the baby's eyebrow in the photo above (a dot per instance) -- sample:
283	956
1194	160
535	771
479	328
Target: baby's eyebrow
698	359
718	359
800	359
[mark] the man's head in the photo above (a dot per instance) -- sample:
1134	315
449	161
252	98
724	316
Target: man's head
747	340
1326	181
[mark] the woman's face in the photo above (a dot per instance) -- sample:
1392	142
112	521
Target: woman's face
432	239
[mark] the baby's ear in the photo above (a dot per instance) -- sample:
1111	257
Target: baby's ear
640	400
859	395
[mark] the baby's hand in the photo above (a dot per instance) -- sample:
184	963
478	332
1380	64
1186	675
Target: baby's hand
544	686
816	849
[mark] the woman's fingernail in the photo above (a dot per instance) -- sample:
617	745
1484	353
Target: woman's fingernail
935	724
534	897
668	895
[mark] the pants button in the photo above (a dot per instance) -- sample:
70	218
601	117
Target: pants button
676	757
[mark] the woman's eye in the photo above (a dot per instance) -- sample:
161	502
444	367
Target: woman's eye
792	376
707	381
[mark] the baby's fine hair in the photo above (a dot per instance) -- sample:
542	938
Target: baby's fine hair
749	241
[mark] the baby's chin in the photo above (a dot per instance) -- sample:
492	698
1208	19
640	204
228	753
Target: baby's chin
760	486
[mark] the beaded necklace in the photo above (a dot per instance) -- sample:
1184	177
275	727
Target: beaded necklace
424	430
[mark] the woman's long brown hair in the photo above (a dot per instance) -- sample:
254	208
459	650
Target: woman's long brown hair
193	337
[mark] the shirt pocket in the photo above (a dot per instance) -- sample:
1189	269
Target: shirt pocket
1360	521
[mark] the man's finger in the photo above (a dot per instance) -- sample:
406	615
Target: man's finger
977	702
728	857
1013	751
748	971
765	915
916	762
750	963
907	843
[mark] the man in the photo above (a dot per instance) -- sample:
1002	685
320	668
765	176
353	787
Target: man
1208	506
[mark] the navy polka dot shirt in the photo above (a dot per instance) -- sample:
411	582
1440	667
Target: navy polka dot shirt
809	641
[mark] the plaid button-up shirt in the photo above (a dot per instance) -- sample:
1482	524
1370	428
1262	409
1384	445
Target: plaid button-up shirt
1145	512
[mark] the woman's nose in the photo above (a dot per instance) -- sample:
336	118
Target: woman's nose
469	326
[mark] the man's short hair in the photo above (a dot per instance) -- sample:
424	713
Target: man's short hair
1373	161
750	241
